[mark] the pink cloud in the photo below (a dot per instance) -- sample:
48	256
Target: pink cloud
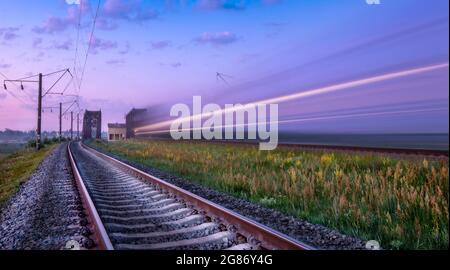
221	4
115	62
37	42
119	8
130	10
156	45
220	38
54	25
4	65
145	15
65	45
127	49
102	44
9	33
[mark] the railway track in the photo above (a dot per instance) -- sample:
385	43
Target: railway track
349	148
378	150
130	209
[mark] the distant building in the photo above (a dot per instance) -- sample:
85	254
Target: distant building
133	119
116	132
92	125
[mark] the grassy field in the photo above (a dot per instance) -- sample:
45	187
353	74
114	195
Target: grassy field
9	148
401	203
16	167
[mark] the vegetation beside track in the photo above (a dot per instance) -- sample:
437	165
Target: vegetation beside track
9	148
15	168
401	203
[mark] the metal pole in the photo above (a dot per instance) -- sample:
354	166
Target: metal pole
60	121
71	125
78	126
39	118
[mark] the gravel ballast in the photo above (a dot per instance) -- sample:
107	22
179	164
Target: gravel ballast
46	213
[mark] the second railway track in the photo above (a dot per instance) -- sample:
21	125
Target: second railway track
129	209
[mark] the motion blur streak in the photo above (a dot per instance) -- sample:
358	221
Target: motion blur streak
307	93
344	116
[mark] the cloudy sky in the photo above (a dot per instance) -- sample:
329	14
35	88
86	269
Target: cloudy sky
160	52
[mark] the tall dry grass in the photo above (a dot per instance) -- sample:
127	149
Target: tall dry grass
401	203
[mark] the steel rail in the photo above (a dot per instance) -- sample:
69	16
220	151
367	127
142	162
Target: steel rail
269	238
364	149
99	231
381	150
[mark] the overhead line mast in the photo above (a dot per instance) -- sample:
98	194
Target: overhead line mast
40	96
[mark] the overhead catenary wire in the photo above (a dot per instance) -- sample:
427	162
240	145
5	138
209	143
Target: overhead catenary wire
67	86
56	72
75	60
11	93
56	82
75	74
41	109
29	96
4	76
28	77
73	103
62	103
89	44
221	76
16	97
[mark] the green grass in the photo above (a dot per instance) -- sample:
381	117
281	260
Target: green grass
17	167
401	203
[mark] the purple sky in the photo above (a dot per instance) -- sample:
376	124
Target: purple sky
146	53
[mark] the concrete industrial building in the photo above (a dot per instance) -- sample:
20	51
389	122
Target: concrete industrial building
133	120
92	125
117	132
